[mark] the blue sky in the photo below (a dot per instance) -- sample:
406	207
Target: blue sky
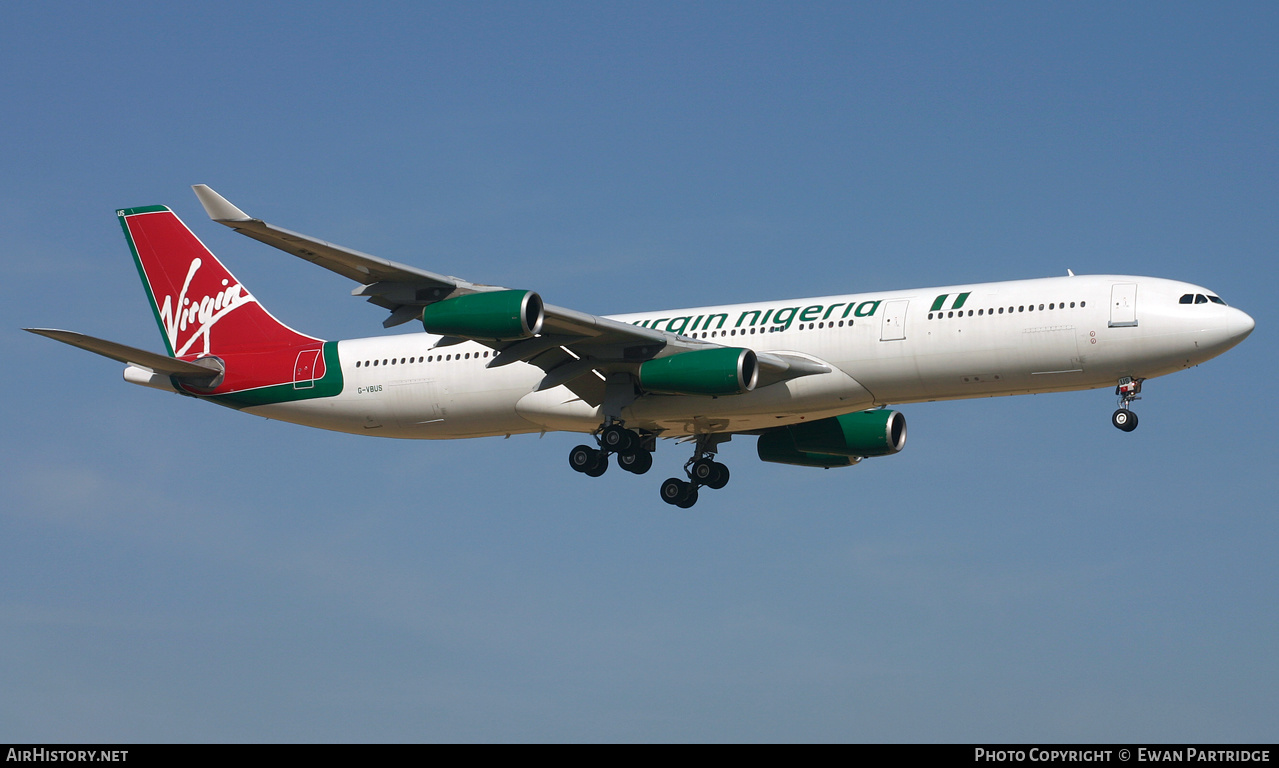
1022	571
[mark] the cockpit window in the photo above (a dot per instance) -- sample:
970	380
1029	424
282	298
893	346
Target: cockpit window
1199	298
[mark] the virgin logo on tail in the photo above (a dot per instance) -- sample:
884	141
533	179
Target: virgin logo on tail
191	292
192	319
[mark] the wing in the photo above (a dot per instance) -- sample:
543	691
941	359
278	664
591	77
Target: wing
386	283
573	348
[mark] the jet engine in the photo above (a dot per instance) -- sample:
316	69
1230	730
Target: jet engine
714	372
839	441
497	315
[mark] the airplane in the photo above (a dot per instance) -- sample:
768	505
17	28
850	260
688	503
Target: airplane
811	378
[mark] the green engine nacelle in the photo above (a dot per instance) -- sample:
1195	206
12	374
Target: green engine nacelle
494	315
840	441
778	447
714	372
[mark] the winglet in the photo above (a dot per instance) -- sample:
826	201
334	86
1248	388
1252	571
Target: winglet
217	206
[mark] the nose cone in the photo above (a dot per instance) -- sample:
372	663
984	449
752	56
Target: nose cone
1231	326
1239	325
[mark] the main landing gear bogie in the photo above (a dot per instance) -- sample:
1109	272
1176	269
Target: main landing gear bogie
632	455
634	451
702	470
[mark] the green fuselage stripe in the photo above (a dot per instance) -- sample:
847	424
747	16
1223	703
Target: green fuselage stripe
327	386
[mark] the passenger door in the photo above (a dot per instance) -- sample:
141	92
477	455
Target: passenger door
1123	305
893	327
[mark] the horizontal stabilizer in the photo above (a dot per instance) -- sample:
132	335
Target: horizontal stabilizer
131	355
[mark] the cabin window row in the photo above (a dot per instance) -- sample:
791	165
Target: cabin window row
1001	310
769	329
422	359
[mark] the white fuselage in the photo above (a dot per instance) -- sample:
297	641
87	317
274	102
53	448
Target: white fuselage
982	340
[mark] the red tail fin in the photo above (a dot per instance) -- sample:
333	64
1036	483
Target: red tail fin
200	306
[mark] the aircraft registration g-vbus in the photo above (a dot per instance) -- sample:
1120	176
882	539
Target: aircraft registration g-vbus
812	378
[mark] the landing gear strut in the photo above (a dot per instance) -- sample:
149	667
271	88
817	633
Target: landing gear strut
702	470
1128	390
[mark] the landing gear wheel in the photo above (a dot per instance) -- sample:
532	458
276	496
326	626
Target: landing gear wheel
710	473
601	465
702	471
588	460
617	438
636	462
1124	419
681	493
581	458
719	479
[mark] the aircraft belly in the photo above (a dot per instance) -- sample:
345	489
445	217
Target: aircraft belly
559	409
1150	354
417	401
482	412
337	414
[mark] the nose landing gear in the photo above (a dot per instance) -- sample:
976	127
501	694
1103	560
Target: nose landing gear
1128	390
